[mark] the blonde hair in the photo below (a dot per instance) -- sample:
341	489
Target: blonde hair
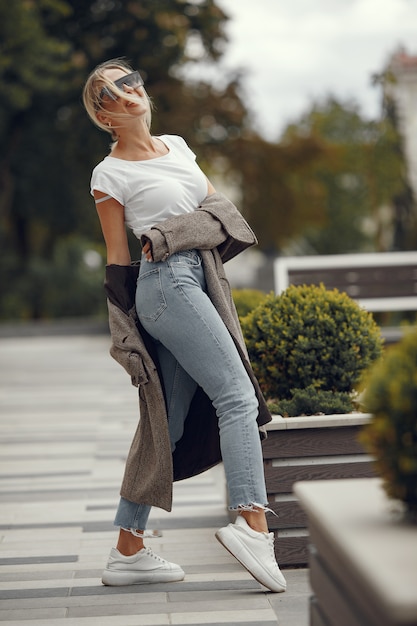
92	94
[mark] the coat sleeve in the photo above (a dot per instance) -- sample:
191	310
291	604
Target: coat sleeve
127	345
215	224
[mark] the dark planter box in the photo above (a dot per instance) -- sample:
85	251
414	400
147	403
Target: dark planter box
307	448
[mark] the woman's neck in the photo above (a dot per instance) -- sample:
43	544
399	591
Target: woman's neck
138	148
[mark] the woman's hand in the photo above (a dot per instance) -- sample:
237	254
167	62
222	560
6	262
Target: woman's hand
147	250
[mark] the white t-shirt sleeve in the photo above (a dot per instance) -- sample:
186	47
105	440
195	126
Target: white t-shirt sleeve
182	145
108	181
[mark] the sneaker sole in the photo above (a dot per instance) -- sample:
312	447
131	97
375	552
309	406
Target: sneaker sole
114	578
244	556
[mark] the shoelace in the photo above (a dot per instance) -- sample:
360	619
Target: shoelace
149	552
271	540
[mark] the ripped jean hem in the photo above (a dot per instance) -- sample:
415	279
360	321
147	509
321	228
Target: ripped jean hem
253	506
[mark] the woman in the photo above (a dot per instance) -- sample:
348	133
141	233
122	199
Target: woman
150	182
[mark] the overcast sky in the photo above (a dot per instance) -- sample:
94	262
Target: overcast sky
295	51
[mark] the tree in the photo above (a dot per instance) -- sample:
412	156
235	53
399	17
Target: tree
358	172
31	62
328	173
280	194
48	47
403	202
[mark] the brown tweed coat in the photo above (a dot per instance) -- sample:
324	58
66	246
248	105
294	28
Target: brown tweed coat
219	231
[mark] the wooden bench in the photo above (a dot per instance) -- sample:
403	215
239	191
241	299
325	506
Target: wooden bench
380	281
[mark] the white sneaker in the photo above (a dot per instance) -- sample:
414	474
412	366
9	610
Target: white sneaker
140	568
255	551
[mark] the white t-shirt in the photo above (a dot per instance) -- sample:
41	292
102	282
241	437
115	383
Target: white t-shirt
153	190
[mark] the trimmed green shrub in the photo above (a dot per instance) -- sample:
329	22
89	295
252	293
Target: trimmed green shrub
312	401
390	394
310	337
246	300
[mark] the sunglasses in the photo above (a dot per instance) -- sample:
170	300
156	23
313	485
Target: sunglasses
132	80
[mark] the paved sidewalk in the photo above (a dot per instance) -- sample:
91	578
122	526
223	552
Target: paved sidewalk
67	414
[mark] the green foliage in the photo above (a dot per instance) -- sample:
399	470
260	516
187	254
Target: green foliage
246	300
310	336
328	172
281	194
31	60
359	169
312	401
69	285
324	183
390	394
49	146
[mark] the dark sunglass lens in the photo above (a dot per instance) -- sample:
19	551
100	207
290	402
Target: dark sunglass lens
131	80
106	92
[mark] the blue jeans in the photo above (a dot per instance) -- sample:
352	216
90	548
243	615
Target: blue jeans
195	348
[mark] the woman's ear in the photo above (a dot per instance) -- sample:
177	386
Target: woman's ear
103	119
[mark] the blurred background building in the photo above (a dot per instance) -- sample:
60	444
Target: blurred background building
401	86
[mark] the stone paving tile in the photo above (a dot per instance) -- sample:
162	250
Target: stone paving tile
149	598
114	620
25	560
239	605
257	618
67	415
17	615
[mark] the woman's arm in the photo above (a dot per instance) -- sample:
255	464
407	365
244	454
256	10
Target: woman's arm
216	223
112	220
210	188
